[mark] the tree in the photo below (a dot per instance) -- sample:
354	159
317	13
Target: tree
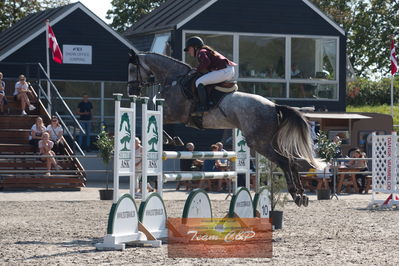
125	13
11	11
369	25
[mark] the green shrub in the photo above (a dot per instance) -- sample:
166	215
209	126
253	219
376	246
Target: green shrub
367	92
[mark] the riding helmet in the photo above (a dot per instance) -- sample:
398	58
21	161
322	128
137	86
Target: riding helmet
195	42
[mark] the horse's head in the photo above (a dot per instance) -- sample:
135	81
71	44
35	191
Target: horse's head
146	69
139	74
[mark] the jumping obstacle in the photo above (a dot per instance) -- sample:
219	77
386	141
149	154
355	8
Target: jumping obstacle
123	220
385	172
148	225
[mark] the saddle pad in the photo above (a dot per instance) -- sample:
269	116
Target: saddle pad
234	88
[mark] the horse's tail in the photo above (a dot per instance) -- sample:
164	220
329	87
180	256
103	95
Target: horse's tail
292	139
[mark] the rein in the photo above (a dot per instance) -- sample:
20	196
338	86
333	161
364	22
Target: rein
138	84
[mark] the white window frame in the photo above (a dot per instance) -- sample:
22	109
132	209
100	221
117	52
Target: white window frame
287	80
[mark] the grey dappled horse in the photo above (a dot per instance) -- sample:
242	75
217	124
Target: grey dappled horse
280	133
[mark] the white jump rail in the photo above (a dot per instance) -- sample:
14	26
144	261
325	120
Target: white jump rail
187	176
199	155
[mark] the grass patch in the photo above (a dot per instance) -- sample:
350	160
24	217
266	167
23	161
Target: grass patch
381	109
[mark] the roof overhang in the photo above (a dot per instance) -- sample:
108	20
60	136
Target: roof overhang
335	116
325	17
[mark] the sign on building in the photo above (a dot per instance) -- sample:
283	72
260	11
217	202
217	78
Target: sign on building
77	54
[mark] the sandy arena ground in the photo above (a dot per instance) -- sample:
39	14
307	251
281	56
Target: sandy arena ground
61	228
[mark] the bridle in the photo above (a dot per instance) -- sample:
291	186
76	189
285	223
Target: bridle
136	86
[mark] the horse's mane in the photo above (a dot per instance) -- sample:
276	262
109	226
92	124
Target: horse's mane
170	58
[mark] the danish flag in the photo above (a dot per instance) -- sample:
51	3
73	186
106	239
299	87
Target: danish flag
394	61
54	47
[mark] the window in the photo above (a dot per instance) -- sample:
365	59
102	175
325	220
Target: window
313	90
222	43
313	58
161	44
262	57
268	90
279	66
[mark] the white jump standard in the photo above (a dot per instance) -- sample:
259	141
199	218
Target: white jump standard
123	221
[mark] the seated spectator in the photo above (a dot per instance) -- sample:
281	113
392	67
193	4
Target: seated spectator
362	166
189	165
36	133
213	164
3	98
222	163
295	71
56	132
210	166
45	146
22	93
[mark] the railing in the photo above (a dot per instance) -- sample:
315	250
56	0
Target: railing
55	102
334	167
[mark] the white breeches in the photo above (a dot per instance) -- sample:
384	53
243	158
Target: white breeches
216	76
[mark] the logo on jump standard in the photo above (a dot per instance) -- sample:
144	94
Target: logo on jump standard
153	139
125	133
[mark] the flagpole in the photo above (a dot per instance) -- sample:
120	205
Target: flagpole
48	68
392	95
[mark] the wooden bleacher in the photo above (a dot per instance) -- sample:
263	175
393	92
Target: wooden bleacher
15	171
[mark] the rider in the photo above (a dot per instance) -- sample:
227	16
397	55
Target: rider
215	67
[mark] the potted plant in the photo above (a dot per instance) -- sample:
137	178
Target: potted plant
327	150
105	145
277	186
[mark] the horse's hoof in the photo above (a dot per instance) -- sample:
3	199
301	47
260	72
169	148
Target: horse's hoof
305	200
298	200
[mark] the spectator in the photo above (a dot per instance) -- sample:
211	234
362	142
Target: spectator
45	146
85	112
3	98
36	133
22	93
189	165
211	165
56	132
362	166
138	165
338	151
295	71
222	163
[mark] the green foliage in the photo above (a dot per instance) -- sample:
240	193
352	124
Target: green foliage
277	186
124	13
326	149
381	109
105	144
13	11
367	92
369	25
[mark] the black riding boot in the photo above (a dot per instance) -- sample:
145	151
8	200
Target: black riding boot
203	106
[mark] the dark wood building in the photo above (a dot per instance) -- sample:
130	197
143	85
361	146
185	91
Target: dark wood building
95	56
286	50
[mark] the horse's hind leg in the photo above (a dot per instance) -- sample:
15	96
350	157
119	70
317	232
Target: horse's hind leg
285	165
298	184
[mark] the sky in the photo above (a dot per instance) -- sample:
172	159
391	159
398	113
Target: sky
98	7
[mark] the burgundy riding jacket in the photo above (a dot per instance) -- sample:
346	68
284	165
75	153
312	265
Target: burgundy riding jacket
210	61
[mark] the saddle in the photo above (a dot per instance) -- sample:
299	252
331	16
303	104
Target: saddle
215	94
